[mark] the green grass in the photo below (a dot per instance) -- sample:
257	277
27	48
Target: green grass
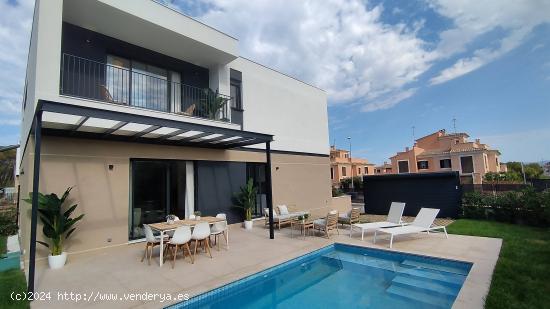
522	275
12	281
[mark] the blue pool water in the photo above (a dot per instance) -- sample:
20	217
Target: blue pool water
343	276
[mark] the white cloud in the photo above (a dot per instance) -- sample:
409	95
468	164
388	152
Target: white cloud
473	18
513	145
15	28
390	101
337	45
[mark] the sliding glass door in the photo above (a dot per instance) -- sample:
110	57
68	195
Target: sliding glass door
157	189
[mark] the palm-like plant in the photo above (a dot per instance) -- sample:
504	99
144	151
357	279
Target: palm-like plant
212	103
57	224
246	199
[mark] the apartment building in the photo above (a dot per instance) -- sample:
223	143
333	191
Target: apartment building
343	166
442	151
385	168
147	112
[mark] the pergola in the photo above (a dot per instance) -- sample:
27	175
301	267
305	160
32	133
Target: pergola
59	119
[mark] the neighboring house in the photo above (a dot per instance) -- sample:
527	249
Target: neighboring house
342	166
117	91
385	168
442	151
546	168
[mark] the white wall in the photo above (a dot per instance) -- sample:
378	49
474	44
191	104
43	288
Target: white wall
294	112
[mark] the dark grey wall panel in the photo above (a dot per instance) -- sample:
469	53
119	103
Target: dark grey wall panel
95	46
430	190
216	183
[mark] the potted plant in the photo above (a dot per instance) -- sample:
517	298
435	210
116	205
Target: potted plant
57	224
170	219
246	200
197	215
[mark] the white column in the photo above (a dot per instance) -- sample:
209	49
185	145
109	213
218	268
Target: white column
189	189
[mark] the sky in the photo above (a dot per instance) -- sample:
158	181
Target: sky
393	70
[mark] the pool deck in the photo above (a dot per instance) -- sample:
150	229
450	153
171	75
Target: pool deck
120	270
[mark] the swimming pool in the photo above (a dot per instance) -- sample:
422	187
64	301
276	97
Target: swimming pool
344	276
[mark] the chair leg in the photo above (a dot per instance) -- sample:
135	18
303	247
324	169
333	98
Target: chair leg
145	253
217	238
195	250
190	255
208	247
446	235
150	254
391	240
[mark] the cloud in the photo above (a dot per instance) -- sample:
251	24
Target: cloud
512	145
472	19
15	28
339	45
390	101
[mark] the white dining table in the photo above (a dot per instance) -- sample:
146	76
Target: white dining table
164	227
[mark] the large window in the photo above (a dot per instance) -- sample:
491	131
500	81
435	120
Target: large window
422	165
403	167
445	163
467	164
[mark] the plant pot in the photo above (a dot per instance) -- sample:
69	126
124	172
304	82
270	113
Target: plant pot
197	218
57	261
248	225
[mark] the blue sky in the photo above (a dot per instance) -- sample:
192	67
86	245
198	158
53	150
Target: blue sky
386	65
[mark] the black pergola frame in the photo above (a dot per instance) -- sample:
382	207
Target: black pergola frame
246	138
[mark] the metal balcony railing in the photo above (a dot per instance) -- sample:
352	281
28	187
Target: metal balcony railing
89	79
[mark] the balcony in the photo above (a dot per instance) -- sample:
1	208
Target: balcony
148	89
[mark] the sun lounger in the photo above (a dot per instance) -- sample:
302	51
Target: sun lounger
422	223
393	219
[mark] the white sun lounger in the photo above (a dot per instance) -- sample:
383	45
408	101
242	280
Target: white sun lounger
422	223
393	219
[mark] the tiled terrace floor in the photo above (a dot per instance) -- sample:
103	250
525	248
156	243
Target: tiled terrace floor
119	270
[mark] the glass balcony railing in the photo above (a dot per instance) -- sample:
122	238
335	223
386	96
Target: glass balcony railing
88	79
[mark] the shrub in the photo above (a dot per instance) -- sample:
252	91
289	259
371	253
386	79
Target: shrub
337	192
8	223
526	206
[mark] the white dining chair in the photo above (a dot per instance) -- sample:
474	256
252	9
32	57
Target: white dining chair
151	241
201	234
181	238
219	228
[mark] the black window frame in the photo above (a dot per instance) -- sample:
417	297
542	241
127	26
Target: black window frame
237	101
443	165
421	167
462	165
399	169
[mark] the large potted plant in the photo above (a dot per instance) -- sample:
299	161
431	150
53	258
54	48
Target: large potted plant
57	224
246	200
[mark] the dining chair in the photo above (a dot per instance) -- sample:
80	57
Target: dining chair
219	228
150	242
181	238
201	234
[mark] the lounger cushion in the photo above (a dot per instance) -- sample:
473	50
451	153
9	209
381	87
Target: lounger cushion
283	210
320	222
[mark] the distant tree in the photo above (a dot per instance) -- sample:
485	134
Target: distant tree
357	183
505	177
532	170
7	165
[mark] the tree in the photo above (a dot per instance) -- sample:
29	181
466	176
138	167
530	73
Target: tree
532	170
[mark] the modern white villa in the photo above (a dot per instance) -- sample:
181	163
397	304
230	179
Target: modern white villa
147	112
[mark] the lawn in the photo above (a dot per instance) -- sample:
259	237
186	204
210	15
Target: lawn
521	276
12	281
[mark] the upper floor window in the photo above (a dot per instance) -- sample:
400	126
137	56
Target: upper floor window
445	163
331	173
366	169
467	164
422	165
344	171
358	170
236	94
403	167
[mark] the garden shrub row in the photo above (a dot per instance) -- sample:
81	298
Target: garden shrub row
526	206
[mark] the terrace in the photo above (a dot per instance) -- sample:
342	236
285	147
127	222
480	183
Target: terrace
119	270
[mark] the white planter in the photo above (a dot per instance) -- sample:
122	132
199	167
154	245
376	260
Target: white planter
247	225
57	261
197	218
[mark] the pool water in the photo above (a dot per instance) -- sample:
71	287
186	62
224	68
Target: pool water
344	276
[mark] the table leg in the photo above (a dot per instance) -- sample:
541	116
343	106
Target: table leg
362	234
227	237
161	248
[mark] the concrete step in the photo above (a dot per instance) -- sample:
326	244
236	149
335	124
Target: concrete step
443	268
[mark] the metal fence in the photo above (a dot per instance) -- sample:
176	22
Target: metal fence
89	79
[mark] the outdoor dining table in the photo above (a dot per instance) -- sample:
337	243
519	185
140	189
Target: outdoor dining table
164	227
